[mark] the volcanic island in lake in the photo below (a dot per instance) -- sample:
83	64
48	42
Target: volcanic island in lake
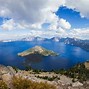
37	50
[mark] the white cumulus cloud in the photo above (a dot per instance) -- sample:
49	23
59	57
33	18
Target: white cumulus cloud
81	6
31	14
60	23
31	11
64	24
82	33
12	25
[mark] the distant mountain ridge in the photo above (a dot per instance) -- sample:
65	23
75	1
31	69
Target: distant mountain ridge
71	41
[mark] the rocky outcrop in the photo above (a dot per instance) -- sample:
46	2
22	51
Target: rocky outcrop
6	70
87	64
37	50
6	74
61	81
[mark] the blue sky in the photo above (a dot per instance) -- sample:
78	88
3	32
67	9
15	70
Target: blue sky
56	18
73	17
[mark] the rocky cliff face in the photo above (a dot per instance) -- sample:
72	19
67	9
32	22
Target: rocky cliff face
61	81
6	74
87	65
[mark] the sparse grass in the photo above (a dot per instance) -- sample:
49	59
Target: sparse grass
21	83
3	85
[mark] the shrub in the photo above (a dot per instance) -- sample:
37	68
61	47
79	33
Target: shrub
48	78
3	85
22	83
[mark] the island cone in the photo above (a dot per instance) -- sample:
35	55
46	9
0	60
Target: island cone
37	50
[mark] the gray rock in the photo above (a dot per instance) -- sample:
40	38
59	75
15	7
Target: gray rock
77	84
65	80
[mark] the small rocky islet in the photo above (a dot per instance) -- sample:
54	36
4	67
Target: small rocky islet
37	50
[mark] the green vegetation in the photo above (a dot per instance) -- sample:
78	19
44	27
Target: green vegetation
28	68
79	72
15	68
3	85
37	71
48	78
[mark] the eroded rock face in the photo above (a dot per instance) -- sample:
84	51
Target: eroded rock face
77	84
6	70
7	79
6	74
87	65
37	50
63	82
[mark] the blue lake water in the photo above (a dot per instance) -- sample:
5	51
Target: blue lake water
68	55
